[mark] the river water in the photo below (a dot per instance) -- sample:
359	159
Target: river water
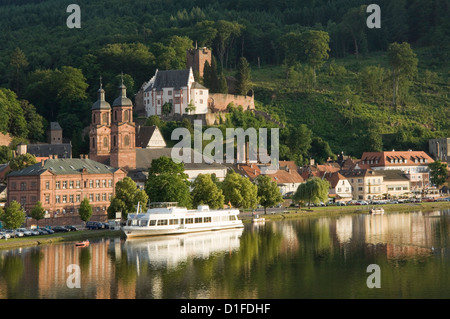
325	257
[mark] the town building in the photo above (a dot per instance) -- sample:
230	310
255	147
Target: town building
439	148
61	184
179	90
396	184
340	187
366	184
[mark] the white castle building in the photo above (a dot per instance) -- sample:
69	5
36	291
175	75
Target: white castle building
178	88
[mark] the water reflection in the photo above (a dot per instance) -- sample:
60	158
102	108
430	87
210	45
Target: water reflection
299	258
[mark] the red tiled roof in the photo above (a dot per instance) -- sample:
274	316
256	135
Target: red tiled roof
396	158
287	172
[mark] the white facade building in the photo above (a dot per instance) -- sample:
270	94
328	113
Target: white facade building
178	88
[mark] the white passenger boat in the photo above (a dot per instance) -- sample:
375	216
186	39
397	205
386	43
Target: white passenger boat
167	219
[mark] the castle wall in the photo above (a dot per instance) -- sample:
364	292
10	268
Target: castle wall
218	102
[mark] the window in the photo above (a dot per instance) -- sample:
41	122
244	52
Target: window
78	184
198	220
97	183
64	184
78	198
23	186
57	199
110	183
127	140
97	197
64	199
169	92
47	185
104	197
207	220
58	185
71	184
162	222
33	185
91	197
104	183
173	221
71	199
105	142
91	183
189	220
152	222
47	199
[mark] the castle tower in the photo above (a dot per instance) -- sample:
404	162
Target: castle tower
123	132
196	58
99	131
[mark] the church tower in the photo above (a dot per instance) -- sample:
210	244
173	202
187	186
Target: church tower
123	132
99	131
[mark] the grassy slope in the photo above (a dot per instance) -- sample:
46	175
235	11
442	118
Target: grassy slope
325	111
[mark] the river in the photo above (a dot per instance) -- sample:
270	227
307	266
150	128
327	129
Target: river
320	257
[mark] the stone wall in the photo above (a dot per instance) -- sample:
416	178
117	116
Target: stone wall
218	102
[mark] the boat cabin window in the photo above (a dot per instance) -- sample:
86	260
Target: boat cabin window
143	222
232	217
162	222
173	222
207	219
198	220
152	222
189	220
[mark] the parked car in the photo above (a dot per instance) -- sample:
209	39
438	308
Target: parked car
34	232
105	225
94	225
42	231
361	202
15	233
60	229
25	231
340	204
71	228
4	235
50	231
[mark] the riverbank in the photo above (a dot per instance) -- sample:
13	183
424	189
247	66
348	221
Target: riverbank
75	236
352	209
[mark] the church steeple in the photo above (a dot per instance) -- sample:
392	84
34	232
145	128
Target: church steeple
99	132
123	131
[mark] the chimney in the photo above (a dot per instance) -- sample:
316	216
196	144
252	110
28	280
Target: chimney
55	156
81	156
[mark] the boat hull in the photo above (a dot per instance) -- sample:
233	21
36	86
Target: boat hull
132	231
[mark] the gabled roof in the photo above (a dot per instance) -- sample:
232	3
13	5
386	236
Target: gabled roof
334	178
286	174
65	166
170	79
144	134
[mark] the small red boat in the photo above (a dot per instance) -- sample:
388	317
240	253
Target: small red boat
84	243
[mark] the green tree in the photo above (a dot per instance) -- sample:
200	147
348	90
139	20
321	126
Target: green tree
127	196
226	33
167	182
314	191
18	62
85	211
13	216
243	77
403	62
21	161
268	192
35	122
316	47
354	22
38	212
12	119
205	192
438	173
240	191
